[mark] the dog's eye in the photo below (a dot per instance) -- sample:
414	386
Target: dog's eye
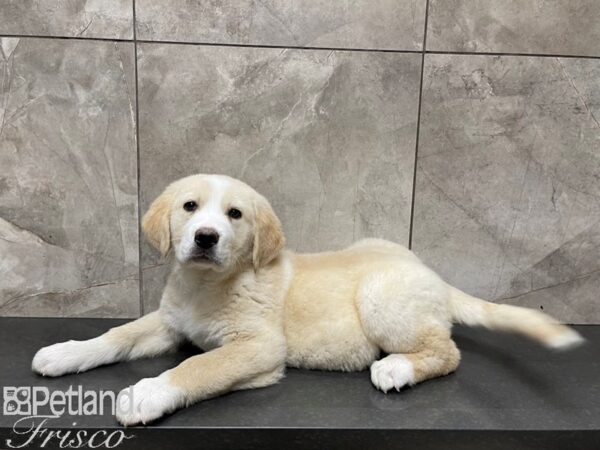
190	206
234	213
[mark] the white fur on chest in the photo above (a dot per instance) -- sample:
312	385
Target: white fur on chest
211	314
203	328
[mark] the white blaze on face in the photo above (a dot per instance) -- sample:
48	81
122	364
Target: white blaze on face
208	215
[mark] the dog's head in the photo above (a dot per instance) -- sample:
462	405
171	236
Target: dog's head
214	222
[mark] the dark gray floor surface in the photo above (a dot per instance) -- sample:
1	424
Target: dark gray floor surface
507	393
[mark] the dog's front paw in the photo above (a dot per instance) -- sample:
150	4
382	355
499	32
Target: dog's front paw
392	372
148	400
58	359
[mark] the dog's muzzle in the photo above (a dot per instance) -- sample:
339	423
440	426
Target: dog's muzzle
206	240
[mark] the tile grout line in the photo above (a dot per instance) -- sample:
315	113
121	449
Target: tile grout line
68	38
290	47
533	55
414	181
295	47
137	146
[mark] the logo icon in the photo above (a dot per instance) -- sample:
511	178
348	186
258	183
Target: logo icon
17	400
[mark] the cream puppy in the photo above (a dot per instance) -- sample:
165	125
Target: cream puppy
255	308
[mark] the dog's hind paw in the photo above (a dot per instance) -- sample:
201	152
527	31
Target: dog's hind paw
392	372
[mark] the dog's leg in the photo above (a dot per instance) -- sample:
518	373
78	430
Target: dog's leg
439	356
147	336
235	365
405	314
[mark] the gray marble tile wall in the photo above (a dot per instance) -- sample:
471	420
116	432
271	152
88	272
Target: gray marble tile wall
467	130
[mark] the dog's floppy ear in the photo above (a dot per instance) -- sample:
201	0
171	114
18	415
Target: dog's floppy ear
156	224
268	235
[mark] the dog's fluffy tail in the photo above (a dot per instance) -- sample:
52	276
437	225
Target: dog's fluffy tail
528	322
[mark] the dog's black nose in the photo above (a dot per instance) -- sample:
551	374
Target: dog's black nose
206	238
